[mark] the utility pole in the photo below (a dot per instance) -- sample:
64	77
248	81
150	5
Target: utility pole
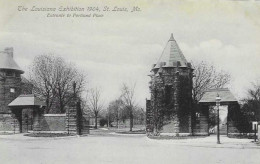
218	99
108	119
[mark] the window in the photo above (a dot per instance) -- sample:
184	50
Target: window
17	75
12	90
9	73
197	117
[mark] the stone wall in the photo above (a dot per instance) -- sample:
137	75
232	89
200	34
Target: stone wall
75	120
59	122
235	120
8	123
149	116
231	128
202	122
6	96
169	109
53	122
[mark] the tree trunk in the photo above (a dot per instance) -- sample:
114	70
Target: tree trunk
131	121
117	120
47	109
96	121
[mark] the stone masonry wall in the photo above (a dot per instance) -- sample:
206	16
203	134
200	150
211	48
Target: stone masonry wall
53	122
6	96
8	123
72	124
202	122
171	99
149	116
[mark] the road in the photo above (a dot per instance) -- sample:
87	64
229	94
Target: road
125	149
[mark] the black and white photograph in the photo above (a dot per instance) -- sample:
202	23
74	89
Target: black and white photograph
129	81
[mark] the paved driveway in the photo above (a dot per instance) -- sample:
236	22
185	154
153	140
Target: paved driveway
125	149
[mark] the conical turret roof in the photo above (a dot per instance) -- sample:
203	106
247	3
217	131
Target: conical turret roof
171	55
7	62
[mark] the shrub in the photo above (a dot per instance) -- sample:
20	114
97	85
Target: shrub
103	122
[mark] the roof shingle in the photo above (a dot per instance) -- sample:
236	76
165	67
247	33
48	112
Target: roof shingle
224	93
7	62
26	100
171	55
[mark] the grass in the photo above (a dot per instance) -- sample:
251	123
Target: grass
6	133
48	134
174	137
133	132
241	136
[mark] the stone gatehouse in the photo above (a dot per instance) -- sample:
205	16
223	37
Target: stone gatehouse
11	86
169	109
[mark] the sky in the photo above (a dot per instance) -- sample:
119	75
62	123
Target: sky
122	46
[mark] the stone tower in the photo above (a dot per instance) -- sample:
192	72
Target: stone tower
10	86
169	109
10	79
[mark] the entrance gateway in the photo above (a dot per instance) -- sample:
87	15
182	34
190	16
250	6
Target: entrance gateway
209	99
169	109
27	109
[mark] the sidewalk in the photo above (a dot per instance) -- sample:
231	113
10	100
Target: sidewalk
205	142
211	142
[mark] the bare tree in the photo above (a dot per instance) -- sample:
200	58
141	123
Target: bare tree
251	104
206	77
53	79
95	103
254	92
139	115
66	74
128	97
114	109
43	78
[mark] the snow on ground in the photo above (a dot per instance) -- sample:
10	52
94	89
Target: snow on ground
125	149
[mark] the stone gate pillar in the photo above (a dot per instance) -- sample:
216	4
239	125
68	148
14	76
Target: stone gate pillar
71	119
149	117
75	122
37	119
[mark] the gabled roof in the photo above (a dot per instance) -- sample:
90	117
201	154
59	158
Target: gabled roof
224	93
26	100
7	62
171	55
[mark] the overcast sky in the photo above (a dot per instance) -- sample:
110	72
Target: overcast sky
121	47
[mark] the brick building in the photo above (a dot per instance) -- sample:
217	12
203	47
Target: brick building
12	85
169	109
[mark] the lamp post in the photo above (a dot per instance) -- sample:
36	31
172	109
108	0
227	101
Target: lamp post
218	104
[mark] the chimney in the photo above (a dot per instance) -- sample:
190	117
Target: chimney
10	51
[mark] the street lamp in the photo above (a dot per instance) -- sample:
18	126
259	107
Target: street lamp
218	104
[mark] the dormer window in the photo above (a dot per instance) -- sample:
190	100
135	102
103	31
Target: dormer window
9	73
